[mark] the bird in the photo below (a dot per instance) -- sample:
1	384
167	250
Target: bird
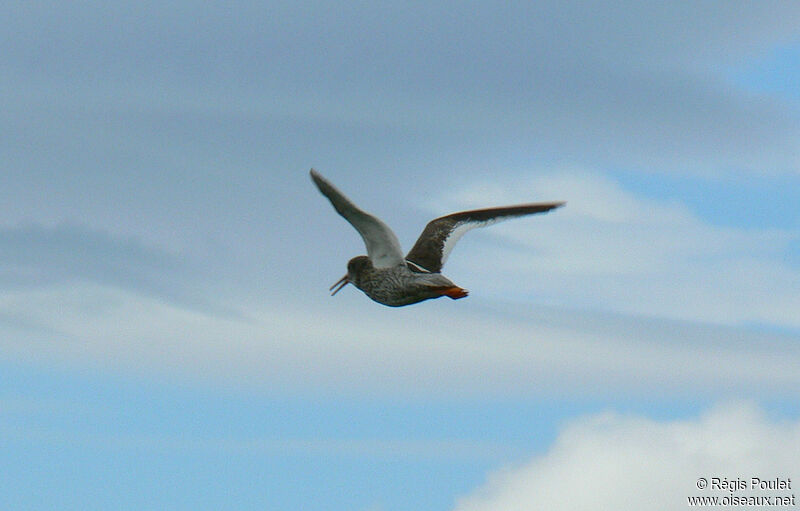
388	277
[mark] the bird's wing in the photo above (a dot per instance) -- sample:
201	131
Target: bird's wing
441	234
383	248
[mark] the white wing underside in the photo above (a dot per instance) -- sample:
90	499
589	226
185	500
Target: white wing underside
383	248
459	231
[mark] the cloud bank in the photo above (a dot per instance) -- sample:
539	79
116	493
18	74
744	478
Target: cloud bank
618	462
478	350
672	295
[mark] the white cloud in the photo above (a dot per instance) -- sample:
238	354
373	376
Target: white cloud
622	463
611	249
332	346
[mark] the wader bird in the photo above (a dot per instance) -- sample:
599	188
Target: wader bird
391	279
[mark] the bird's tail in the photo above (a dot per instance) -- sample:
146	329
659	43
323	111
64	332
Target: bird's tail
454	292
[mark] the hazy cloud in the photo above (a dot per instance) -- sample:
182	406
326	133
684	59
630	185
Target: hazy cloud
629	84
37	259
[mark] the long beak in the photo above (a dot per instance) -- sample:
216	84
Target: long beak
339	285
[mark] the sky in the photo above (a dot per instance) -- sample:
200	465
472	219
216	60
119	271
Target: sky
167	339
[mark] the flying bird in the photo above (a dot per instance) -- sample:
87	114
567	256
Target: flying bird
391	279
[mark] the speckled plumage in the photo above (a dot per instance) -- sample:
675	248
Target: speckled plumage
398	285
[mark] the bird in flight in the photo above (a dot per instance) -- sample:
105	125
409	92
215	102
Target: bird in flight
388	277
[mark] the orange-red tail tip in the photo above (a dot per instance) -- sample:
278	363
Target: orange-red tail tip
455	292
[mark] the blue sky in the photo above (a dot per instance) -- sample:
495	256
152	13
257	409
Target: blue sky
166	336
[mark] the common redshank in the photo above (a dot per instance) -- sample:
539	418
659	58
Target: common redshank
391	279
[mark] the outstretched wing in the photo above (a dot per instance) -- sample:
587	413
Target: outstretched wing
383	248
441	234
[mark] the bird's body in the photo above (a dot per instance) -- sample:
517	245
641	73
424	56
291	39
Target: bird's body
390	278
399	285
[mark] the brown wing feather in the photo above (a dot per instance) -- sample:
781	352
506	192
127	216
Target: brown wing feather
437	239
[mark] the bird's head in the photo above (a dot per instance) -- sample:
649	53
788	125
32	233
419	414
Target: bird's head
355	267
